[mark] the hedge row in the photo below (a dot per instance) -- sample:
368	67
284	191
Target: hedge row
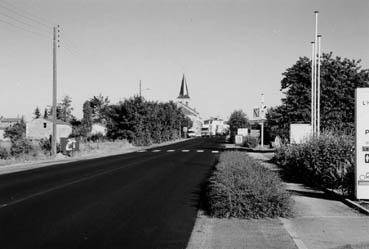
241	187
326	161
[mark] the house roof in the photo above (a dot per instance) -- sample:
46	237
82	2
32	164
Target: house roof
10	120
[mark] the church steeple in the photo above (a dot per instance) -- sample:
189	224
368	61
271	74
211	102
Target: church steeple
183	92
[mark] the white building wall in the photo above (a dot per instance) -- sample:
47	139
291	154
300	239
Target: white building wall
42	128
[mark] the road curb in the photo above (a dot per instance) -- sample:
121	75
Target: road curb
348	202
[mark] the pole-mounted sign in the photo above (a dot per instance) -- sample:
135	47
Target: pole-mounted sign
362	143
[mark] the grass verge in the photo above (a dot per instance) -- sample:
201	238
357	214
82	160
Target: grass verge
241	187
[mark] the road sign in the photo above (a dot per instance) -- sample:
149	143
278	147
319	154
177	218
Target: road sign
256	113
362	142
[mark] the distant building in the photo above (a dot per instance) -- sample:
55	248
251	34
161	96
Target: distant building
214	126
5	123
183	102
43	128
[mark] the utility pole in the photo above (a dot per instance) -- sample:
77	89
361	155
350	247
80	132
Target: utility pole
262	121
140	89
56	36
318	83
312	88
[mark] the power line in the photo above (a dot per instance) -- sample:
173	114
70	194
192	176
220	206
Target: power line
22	22
24	29
24	14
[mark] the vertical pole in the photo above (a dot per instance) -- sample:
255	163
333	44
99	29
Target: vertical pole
312	87
140	89
53	138
262	122
315	71
318	79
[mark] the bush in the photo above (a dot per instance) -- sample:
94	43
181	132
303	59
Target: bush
45	145
242	187
251	142
4	154
326	161
21	146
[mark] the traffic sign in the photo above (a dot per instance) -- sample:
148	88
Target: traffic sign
256	113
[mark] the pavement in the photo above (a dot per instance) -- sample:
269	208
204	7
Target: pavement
145	199
321	220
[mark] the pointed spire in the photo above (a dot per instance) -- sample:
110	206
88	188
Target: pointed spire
183	93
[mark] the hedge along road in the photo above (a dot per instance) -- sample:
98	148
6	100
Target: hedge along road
138	200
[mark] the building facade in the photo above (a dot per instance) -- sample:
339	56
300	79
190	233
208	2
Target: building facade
183	102
43	128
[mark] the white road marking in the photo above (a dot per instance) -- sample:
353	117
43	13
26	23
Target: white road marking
170	150
141	151
185	150
156	150
288	226
200	151
215	151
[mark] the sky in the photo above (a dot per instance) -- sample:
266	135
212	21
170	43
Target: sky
231	51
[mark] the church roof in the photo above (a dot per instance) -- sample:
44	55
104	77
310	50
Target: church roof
183	92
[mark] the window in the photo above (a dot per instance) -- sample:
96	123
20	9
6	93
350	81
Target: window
44	125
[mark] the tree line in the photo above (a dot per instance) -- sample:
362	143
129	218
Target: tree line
139	121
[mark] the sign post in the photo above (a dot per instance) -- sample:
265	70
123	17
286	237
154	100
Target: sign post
362	143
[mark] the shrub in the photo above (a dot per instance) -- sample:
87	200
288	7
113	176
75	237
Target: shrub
326	161
4	154
45	145
21	146
251	142
242	187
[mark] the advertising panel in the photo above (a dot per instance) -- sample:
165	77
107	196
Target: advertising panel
362	143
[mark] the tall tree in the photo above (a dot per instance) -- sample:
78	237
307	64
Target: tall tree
99	105
87	116
65	109
238	119
46	113
339	79
37	112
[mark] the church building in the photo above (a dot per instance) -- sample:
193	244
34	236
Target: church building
183	102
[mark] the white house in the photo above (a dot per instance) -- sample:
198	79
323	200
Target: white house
43	128
214	126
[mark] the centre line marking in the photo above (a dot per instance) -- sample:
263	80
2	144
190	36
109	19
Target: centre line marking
170	150
155	150
141	151
200	151
215	151
185	150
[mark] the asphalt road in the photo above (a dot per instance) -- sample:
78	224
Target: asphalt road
138	200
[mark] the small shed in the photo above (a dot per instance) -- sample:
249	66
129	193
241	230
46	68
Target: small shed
43	128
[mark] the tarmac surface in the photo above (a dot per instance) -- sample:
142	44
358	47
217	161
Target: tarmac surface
146	199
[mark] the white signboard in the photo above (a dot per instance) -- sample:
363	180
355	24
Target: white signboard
299	133
362	143
243	131
256	113
238	139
